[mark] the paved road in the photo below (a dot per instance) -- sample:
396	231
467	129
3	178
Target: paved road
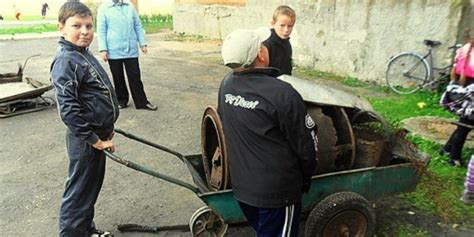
32	152
182	78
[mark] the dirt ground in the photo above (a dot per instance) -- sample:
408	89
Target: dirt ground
181	78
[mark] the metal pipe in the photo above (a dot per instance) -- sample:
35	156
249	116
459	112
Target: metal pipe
139	139
145	170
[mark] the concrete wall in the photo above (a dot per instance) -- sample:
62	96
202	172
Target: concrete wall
467	22
345	37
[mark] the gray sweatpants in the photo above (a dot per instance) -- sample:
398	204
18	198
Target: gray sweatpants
84	181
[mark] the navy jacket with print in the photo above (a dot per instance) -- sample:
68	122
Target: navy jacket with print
86	99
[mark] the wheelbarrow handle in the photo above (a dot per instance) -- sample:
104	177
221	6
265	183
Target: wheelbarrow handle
145	170
139	139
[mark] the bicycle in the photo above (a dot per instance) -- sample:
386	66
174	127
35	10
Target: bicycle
409	72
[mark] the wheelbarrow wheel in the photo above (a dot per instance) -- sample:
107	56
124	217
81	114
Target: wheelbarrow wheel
341	214
205	222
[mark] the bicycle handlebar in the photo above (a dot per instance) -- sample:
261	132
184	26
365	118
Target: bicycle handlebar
455	46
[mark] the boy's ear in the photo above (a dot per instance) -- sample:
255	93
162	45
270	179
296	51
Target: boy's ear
60	27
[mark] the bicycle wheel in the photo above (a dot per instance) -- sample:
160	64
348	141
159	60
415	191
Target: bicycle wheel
407	72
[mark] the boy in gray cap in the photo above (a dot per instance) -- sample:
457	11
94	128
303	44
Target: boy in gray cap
270	137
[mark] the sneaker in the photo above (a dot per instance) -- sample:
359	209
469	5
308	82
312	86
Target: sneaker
101	233
122	106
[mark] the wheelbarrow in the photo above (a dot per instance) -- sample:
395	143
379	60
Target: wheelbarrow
336	203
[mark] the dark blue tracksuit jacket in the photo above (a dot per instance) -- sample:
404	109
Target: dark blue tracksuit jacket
88	107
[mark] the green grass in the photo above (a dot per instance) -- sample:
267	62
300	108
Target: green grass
441	186
27	18
29	29
412	231
152	28
396	107
152	24
185	37
308	73
156	22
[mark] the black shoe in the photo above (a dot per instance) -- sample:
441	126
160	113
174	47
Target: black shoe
122	106
149	106
456	163
443	152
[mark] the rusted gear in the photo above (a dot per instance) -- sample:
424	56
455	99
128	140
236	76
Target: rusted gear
214	152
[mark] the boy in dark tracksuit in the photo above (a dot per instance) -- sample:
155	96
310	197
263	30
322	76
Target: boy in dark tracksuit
88	107
271	142
278	45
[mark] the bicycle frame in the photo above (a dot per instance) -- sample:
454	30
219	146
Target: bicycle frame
443	71
423	58
420	72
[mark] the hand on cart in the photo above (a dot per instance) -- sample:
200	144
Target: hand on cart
105	145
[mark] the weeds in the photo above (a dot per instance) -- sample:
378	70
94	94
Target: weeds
156	19
411	231
181	36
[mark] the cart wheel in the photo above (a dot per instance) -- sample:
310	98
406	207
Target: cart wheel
341	214
205	222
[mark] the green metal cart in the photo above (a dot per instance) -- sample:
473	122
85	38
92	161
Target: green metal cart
337	203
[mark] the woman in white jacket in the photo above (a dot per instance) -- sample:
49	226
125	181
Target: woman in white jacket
120	34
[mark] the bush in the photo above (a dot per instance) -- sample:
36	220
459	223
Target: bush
156	19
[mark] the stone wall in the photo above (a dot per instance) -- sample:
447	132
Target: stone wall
345	37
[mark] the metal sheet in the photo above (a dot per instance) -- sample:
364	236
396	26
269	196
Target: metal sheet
318	93
22	90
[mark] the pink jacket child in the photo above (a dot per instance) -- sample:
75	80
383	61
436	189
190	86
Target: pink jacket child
464	61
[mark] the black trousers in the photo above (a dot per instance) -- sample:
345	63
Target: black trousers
84	181
132	68
457	139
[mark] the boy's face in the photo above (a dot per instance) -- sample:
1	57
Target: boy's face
283	26
78	30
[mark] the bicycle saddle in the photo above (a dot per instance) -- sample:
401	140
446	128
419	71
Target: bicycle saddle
431	42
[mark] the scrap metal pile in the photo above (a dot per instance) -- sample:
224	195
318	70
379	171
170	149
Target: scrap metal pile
351	134
18	96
